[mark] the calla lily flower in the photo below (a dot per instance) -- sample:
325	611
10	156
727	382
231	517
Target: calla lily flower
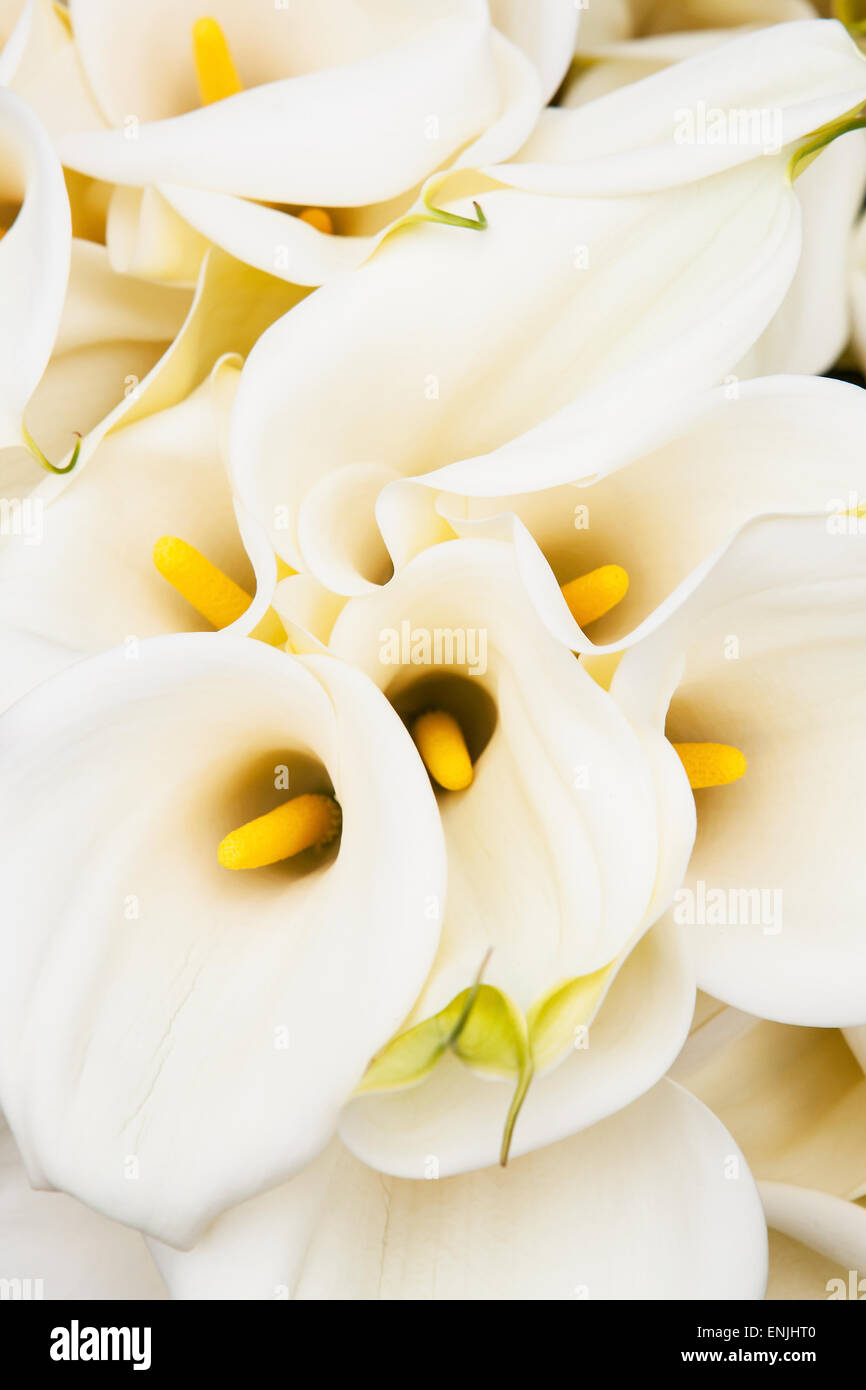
205	1026
242	122
556	791
76	567
670	1212
794	1099
584	1221
732	454
490	392
770	645
621	44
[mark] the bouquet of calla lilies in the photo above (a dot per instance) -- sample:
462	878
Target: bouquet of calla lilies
432	649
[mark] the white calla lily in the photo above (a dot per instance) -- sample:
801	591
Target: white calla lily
162	1064
489	392
562	788
34	258
307	114
77	563
811	327
637	1207
768	652
732	454
794	1099
743	99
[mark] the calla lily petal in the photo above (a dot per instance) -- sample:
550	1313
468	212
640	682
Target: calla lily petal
61	1249
165	1024
34	258
546	405
561	780
834	1228
772	642
661	1218
793	78
326	136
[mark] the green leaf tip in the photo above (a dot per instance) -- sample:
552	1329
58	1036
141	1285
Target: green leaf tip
478	223
803	157
45	462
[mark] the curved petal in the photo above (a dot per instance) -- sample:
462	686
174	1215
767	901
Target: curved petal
90	582
545	366
561	780
834	1228
546	32
141	1065
326	135
737	101
774	647
62	1249
34	258
740	451
643	1203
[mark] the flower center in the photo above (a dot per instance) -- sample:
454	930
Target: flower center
592	595
443	750
711	764
305	822
214	65
206	588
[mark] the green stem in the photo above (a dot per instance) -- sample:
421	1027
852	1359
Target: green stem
515	1107
802	158
46	463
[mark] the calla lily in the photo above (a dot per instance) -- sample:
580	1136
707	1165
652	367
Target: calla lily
562	788
732	454
620	45
206	1027
76	567
584	1219
34	257
489	392
794	1099
770	646
671	1212
207	107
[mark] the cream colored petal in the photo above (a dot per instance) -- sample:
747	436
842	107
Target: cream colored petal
510	391
637	1206
175	1039
34	258
60	1249
774	651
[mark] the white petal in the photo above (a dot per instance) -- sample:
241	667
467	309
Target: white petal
834	1228
326	134
786	599
637	1206
561	782
140	1064
34	259
762	90
546	365
66	1250
546	32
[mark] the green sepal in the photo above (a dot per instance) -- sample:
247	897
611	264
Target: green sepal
553	1020
803	157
